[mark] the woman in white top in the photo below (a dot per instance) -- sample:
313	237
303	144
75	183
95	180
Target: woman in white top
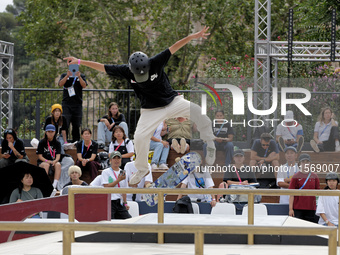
122	144
326	132
328	206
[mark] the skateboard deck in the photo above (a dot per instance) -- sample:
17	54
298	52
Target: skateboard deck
175	175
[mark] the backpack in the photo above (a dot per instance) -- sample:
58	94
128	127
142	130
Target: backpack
183	205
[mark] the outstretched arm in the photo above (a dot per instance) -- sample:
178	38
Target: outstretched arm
94	65
202	34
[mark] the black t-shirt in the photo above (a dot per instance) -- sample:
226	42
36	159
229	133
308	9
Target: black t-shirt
70	183
78	89
245	174
261	152
223	130
48	152
57	127
121	118
18	145
85	151
156	91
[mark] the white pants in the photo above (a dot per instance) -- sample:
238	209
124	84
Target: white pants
150	119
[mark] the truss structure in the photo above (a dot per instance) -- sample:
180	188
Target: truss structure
6	83
268	53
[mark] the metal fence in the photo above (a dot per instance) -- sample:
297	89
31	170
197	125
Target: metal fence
32	106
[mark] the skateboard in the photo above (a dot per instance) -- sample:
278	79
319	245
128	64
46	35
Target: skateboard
174	176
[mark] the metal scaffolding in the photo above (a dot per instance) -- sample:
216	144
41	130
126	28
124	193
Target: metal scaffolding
6	82
269	53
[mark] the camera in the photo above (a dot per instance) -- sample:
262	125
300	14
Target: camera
122	172
74	68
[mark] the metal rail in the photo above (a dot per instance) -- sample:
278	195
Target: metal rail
198	231
161	192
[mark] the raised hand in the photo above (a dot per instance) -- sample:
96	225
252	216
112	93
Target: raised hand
202	34
71	60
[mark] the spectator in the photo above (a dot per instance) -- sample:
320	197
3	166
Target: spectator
130	169
328	206
303	207
87	153
108	122
12	149
75	172
238	173
286	172
60	123
199	180
122	144
25	191
179	133
224	137
326	132
49	154
111	177
161	148
265	155
72	103
289	134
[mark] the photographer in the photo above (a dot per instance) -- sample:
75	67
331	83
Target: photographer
114	177
72	103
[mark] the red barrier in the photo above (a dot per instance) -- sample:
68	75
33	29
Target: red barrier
88	208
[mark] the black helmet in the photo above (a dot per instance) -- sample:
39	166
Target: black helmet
103	155
139	66
332	176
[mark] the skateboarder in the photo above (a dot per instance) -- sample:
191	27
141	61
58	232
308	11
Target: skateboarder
158	100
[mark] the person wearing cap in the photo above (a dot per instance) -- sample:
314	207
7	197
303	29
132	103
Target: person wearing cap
72	103
12	149
158	99
238	173
60	123
48	151
303	207
328	206
326	132
108	122
265	156
289	133
114	177
286	172
75	173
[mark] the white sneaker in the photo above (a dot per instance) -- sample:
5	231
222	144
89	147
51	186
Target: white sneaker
138	176
69	146
163	166
154	166
211	153
314	146
175	145
183	145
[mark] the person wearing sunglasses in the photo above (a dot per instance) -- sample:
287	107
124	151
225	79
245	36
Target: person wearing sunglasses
264	156
12	149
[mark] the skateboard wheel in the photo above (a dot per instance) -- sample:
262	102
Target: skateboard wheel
148	185
185	172
177	159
